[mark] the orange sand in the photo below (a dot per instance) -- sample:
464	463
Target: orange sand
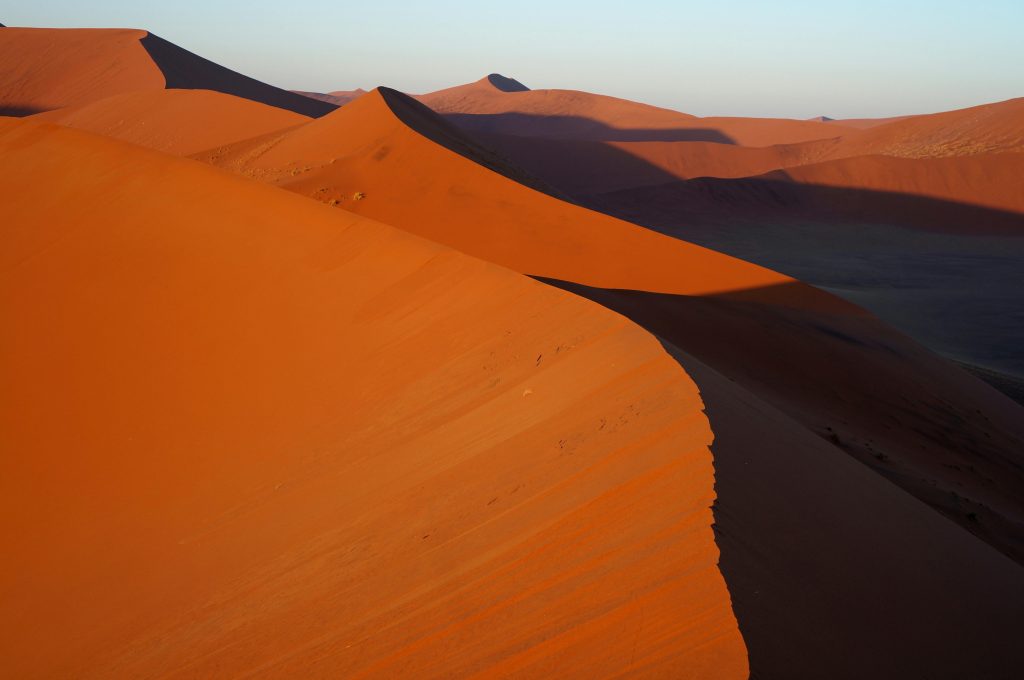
251	435
176	121
366	148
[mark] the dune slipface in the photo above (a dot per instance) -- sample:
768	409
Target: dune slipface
366	158
246	434
842	389
488	106
176	121
50	68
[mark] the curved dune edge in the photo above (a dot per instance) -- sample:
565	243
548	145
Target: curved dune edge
52	68
252	435
180	122
375	147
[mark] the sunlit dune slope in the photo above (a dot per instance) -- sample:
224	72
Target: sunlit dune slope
246	434
50	68
486	106
175	121
413	182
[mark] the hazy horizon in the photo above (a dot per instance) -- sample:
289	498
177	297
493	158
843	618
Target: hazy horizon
790	59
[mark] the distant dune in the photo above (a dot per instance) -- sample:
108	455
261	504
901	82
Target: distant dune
568	114
50	68
338	97
255	435
180	122
540	383
420	185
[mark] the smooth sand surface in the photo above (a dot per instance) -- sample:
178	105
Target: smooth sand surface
423	187
337	97
251	435
570	114
48	69
180	122
51	68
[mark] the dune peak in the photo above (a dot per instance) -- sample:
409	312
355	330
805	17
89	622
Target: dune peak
504	83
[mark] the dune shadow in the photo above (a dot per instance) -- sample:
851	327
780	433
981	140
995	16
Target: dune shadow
506	84
19	111
426	122
578	127
821	560
666	206
184	70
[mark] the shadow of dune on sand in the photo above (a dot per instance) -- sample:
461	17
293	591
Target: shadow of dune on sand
19	111
664	205
184	70
422	119
818	423
578	127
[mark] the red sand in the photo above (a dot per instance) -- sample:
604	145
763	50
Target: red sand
255	435
181	122
464	205
569	114
50	68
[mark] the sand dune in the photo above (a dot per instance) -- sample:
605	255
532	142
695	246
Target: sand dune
253	435
338	97
180	122
367	148
50	68
569	114
836	376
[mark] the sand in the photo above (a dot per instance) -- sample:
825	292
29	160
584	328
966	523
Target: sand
51	68
179	122
255	435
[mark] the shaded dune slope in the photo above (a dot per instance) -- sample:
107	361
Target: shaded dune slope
868	396
180	122
369	147
255	436
484	106
49	68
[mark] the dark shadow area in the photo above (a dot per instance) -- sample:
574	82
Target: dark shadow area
1010	385
19	111
578	127
184	70
422	119
506	84
665	205
834	568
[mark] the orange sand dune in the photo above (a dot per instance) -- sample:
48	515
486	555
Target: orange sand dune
50	68
485	106
338	97
248	435
990	128
863	123
415	183
986	180
181	122
419	185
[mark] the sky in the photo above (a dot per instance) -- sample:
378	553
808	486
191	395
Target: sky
787	58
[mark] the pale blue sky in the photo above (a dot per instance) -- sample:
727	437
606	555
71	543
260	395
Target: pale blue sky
789	58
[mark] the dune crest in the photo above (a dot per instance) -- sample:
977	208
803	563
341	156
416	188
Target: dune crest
50	68
253	435
180	122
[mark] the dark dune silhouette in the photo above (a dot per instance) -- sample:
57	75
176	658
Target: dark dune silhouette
506	84
578	127
185	70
